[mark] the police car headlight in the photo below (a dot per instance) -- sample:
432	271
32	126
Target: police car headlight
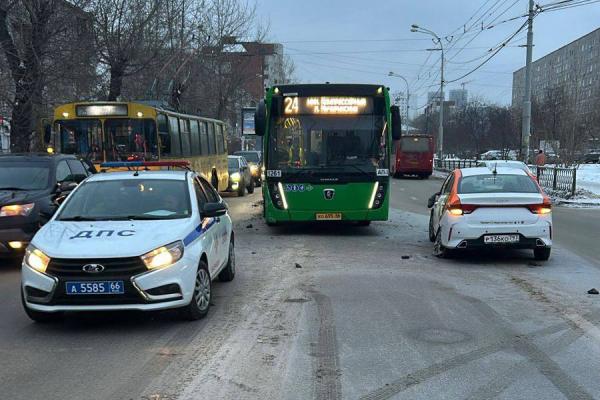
36	259
15	210
164	256
235	177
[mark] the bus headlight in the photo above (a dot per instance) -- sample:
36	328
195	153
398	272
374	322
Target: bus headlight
235	177
163	256
36	259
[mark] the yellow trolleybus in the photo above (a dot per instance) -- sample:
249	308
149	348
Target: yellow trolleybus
125	131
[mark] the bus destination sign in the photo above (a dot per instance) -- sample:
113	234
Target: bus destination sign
327	105
101	110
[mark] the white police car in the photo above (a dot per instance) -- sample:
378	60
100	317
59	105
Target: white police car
143	240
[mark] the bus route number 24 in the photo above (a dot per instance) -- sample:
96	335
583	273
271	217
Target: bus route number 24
291	105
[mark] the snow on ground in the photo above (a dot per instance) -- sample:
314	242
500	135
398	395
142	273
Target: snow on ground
588	178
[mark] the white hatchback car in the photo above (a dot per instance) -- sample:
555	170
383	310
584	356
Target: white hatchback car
143	240
483	208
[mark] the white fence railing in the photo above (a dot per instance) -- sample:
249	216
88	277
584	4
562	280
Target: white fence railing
551	178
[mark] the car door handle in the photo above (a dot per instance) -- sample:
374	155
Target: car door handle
217	220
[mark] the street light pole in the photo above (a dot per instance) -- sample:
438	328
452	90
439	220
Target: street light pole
438	40
407	95
526	122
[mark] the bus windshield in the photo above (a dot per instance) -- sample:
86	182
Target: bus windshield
83	137
124	139
130	139
308	141
414	145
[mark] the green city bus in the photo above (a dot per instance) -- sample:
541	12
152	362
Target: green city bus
326	152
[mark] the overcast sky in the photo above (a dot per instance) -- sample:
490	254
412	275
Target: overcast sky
370	38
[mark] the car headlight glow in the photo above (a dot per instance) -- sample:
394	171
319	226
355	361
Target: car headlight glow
235	177
163	256
36	259
16	210
254	169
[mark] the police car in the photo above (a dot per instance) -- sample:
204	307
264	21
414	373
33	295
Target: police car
135	240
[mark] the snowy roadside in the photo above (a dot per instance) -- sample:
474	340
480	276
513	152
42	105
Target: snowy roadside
588	189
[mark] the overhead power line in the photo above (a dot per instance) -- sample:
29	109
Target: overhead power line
492	55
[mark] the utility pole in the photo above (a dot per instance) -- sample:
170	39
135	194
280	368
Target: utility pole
437	40
526	123
407	96
442	98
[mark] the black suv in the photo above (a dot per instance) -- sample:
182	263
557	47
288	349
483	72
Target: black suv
32	186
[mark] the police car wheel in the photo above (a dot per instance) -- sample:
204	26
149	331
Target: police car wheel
251	187
198	307
228	272
242	189
38	316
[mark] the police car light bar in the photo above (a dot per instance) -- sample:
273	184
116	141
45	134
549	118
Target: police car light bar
133	164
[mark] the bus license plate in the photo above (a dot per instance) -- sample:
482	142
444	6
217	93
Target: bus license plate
95	287
329	216
493	239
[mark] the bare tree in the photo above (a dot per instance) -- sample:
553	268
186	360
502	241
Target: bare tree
30	31
130	34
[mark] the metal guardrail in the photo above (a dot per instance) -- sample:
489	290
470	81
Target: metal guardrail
556	178
551	178
451	165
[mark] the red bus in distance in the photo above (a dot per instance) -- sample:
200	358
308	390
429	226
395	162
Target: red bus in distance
414	156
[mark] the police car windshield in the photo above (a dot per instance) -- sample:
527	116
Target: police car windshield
128	199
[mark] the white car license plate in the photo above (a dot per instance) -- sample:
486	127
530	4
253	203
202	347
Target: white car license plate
491	239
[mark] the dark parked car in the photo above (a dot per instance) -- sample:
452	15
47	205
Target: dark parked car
240	177
254	159
32	186
592	157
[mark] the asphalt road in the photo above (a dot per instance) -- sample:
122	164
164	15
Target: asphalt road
331	312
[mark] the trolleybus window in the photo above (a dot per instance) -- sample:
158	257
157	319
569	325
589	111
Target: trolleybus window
131	139
184	131
203	137
220	144
81	137
174	134
163	132
212	149
195	138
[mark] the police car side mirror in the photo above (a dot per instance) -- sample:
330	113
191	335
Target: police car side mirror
211	210
66	186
